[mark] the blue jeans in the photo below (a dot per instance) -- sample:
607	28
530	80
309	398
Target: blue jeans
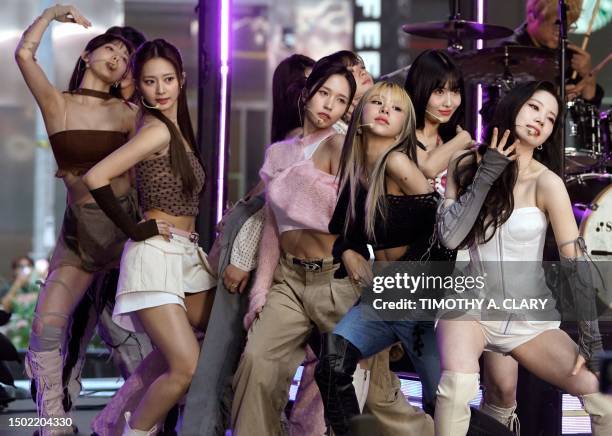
370	336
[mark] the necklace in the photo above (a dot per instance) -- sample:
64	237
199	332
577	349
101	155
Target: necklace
92	93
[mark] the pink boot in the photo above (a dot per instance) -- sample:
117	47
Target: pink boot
45	368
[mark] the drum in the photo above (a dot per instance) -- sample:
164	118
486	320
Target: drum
606	137
583	147
591	195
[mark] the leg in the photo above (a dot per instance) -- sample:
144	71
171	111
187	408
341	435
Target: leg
274	350
199	306
500	381
110	420
82	329
171	332
460	375
308	406
556	346
62	291
387	403
354	337
419	342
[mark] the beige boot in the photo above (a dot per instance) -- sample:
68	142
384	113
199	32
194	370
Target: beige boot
599	408
74	385
455	391
127	431
505	415
45	368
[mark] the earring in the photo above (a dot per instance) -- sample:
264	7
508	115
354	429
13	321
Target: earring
540	147
359	131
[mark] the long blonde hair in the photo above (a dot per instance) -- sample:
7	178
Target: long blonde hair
353	168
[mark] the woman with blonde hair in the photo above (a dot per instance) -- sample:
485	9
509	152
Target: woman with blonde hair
386	201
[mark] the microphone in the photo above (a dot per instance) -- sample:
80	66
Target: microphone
144	103
394	73
530	130
318	120
437	118
359	130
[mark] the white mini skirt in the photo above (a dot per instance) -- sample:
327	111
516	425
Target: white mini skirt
155	272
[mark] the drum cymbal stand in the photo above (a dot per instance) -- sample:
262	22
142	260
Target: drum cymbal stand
562	10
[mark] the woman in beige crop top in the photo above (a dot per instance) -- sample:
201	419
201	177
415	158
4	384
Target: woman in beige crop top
163	270
89	242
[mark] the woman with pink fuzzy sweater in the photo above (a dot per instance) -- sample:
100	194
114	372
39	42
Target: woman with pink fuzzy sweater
295	263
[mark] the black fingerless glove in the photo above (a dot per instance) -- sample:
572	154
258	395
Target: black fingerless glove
109	204
579	275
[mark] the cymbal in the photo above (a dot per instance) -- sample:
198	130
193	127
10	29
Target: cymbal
521	63
457	29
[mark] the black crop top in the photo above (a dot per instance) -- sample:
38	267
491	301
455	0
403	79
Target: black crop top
410	222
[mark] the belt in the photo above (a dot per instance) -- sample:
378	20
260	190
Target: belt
310	264
192	236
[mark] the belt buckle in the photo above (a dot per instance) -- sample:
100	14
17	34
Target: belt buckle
194	237
311	266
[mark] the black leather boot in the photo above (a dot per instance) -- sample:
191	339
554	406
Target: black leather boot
334	376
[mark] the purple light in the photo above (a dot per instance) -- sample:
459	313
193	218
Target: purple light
224	71
479	45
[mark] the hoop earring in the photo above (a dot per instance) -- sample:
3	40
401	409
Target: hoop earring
359	131
540	147
144	103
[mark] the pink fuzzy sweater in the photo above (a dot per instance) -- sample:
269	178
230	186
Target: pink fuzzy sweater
299	196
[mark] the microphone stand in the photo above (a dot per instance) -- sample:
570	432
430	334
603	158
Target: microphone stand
562	10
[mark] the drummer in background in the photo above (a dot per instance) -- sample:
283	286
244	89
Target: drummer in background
541	29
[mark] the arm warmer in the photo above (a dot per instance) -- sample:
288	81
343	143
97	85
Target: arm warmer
579	274
109	204
455	220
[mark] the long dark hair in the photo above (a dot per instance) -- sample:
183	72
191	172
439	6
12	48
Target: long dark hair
287	83
322	70
81	66
499	204
179	160
431	70
134	36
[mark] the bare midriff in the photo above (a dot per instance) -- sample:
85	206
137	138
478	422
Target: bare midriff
186	223
307	244
390	254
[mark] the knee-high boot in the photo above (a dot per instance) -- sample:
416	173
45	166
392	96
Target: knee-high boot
45	369
455	391
334	376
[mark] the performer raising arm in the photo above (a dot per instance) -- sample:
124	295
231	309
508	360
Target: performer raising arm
84	125
501	212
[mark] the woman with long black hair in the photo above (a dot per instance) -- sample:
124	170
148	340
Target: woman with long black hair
286	303
84	125
163	270
435	86
498	204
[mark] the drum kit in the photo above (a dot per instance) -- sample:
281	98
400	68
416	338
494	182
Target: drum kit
588	131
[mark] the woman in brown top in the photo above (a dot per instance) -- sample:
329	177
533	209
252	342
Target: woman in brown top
84	125
163	270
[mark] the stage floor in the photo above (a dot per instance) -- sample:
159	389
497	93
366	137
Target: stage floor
97	392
